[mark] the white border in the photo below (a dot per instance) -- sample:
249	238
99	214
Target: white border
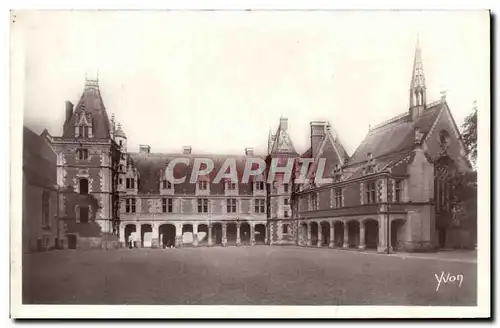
67	311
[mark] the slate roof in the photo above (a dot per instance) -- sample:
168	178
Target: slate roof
39	160
395	136
151	166
91	103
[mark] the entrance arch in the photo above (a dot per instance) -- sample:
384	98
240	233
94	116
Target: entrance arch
202	234
325	233
167	235
130	233
398	229
353	228
216	234
260	234
314	233
187	234
371	233
303	234
245	233
231	233
338	239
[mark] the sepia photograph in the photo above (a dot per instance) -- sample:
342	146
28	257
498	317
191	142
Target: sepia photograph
217	160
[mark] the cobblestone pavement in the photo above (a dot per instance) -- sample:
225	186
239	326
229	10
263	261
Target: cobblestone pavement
243	275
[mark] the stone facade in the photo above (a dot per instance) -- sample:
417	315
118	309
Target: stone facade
381	197
40	198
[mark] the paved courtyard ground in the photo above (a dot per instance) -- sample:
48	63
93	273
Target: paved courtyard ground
260	275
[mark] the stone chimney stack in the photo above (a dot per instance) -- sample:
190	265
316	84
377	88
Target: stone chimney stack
283	123
145	149
318	131
186	150
69	110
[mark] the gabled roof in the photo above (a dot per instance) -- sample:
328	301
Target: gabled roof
395	135
332	151
39	160
151	166
281	143
91	105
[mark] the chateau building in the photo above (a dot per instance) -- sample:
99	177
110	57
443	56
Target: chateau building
389	194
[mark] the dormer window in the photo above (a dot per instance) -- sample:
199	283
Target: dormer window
83	131
259	185
231	186
202	185
83	127
83	154
165	184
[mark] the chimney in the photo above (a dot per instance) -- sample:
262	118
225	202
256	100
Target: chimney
69	110
283	123
186	150
249	151
146	149
318	131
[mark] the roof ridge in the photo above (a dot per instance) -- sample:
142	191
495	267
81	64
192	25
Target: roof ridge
391	120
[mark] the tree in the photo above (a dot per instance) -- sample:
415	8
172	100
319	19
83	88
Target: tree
469	135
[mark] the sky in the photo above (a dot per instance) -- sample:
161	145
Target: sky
219	80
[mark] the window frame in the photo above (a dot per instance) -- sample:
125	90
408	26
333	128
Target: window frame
202	205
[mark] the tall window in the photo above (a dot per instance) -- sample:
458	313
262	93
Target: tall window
83	154
338	197
314	201
398	191
84	214
130	183
285	187
231	205
130	205
166	205
202	185
45	209
259	185
286	214
84	186
285	228
202	205
286	201
371	192
260	206
231	186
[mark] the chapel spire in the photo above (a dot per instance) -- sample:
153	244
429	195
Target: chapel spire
417	86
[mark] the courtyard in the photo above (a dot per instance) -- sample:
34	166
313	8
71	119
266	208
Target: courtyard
258	275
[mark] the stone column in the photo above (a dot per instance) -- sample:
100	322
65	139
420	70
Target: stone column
266	233
382	234
178	235
155	233
252	235
138	236
346	235
160	245
195	235
320	235
238	235
224	234
209	235
308	234
361	235
122	235
332	235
